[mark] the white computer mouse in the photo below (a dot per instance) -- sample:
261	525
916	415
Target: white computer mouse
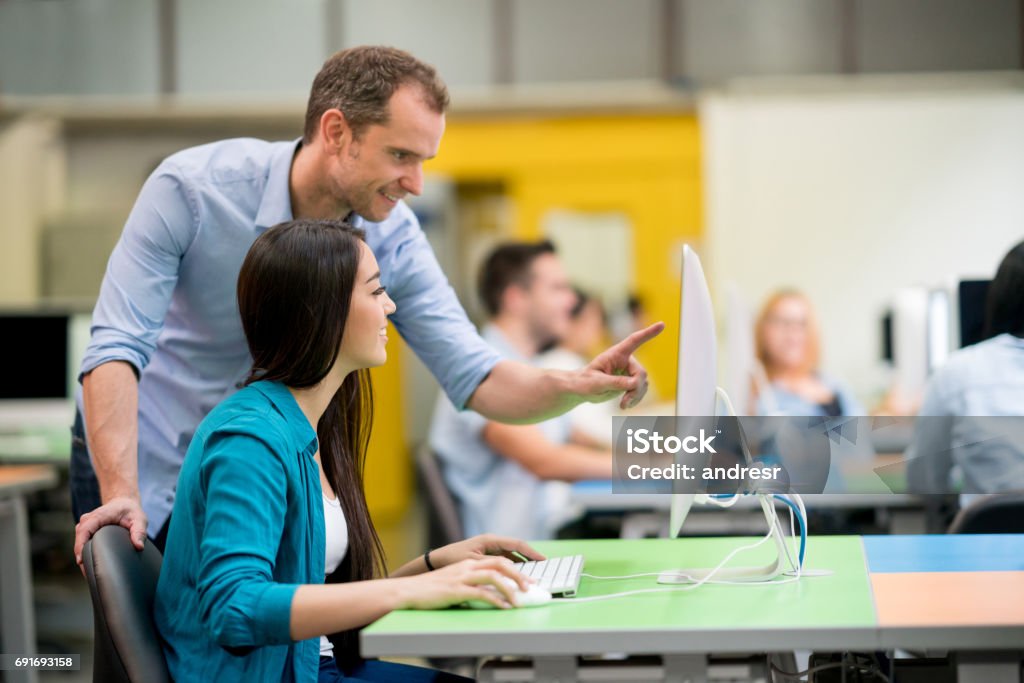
532	597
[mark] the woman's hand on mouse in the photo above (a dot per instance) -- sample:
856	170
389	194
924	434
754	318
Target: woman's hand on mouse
485	579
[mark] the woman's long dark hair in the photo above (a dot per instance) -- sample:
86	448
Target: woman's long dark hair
294	292
1004	306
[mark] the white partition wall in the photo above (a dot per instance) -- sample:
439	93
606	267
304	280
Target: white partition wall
851	189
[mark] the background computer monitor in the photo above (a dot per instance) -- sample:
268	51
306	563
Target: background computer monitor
740	352
939	328
971	297
43	350
696	381
886	336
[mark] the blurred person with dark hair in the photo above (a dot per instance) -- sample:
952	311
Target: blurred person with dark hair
167	344
962	439
588	329
510	478
788	347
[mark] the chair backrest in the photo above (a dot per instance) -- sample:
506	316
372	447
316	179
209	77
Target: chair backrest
122	583
445	525
999	513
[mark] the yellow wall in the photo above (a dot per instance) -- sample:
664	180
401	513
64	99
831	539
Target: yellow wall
388	474
645	166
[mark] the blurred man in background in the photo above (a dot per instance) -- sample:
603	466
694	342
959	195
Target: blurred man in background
510	478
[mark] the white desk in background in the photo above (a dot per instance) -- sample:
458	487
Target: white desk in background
17	618
902	513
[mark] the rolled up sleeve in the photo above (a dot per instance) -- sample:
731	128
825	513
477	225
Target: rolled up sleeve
142	272
429	316
241	605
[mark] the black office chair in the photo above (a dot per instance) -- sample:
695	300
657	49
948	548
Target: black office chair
999	513
444	526
122	583
444	523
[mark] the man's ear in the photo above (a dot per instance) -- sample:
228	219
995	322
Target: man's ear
513	297
334	130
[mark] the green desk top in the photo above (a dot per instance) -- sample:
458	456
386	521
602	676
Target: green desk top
719	617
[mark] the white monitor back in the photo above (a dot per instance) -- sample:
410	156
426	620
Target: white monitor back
698	358
939	328
698	362
910	341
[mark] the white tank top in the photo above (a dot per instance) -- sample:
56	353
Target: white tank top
337	545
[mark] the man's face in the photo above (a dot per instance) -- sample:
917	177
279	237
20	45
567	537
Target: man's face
549	300
385	163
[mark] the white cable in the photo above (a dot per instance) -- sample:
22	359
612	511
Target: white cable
775	526
673	589
721	564
810	573
792	536
795	565
709	575
803	512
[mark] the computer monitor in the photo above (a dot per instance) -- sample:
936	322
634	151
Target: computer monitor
43	350
971	298
939	329
696	398
740	353
886	337
919	338
910	341
696	381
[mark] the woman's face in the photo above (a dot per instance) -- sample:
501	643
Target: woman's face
786	333
365	338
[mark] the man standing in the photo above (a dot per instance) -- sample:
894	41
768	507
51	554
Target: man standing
167	343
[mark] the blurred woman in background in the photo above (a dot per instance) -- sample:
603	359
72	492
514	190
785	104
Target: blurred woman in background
787	343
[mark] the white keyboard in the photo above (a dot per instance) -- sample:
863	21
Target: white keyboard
557	575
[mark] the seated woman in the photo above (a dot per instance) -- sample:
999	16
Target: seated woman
270	498
962	439
787	345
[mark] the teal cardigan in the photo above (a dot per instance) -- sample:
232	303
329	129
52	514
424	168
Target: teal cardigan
246	530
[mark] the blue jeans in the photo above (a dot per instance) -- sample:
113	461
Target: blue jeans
85	488
374	671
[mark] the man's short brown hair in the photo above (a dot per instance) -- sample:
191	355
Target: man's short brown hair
360	81
507	265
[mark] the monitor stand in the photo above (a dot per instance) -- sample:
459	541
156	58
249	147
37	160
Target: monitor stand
763	573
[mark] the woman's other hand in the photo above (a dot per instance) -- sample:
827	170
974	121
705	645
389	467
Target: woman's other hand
484	545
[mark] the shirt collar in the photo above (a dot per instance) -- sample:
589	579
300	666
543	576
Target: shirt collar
276	205
298	425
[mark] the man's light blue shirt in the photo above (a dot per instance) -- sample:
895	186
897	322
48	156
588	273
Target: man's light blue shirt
247	531
168	305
